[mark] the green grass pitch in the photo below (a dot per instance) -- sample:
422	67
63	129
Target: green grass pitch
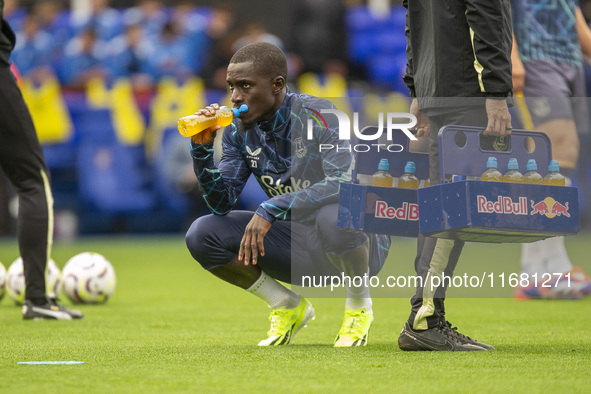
171	327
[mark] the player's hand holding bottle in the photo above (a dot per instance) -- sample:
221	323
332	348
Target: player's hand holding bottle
207	136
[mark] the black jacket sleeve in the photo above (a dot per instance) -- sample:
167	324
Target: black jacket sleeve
491	34
408	77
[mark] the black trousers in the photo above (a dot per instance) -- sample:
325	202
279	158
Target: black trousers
436	256
22	161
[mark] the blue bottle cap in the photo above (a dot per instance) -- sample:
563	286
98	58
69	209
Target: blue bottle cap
513	164
410	167
553	166
237	111
491	162
384	165
531	165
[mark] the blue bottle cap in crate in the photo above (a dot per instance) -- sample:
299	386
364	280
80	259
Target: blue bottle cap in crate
410	167
553	166
384	165
531	165
513	164
491	162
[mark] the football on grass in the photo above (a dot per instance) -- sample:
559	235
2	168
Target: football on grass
15	281
88	278
2	281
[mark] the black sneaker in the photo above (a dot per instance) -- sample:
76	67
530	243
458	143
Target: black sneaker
50	310
76	314
440	338
463	337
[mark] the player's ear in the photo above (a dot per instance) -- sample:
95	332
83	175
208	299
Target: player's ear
278	84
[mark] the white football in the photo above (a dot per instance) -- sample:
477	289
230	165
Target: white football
2	281
15	281
88	278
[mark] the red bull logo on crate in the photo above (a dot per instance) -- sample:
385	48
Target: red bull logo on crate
549	207
408	211
506	205
503	205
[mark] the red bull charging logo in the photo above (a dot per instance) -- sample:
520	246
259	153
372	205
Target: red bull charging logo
549	207
505	205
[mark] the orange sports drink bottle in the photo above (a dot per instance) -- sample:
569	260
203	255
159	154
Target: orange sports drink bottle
408	180
491	174
382	178
193	124
513	175
531	175
554	177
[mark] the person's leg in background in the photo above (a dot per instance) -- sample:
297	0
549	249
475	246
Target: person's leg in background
554	94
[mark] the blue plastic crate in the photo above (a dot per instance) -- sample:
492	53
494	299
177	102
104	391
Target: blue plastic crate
379	209
382	209
495	211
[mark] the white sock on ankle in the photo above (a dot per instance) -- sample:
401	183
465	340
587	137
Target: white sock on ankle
358	297
557	258
273	293
533	258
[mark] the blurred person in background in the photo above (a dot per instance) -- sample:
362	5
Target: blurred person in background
318	38
548	43
83	60
14	14
22	161
169	54
193	26
149	14
54	20
128	57
221	32
256	32
106	22
33	50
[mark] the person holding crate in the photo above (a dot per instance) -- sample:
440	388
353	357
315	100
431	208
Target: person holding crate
458	72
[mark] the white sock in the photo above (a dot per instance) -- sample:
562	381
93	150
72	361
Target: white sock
358	297
557	258
533	258
274	293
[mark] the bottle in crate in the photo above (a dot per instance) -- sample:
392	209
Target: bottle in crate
408	180
554	177
382	178
513	175
491	174
531	175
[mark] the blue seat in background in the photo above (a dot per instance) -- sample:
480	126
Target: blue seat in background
387	71
95	126
398	18
167	194
359	18
110	181
360	47
390	43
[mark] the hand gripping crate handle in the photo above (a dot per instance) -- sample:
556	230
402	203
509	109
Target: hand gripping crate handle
470	159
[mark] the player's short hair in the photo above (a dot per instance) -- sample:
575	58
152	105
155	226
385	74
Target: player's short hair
267	58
